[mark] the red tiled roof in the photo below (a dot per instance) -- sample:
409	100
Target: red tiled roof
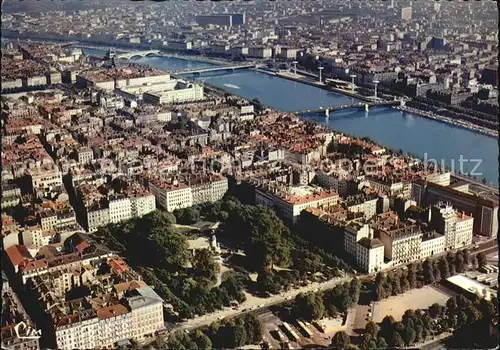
17	254
82	246
118	265
33	265
111	311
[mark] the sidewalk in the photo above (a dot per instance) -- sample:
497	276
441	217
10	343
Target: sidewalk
435	339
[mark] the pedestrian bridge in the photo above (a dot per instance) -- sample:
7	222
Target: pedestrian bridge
131	54
216	69
365	105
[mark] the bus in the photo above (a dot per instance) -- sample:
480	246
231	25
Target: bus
318	326
280	335
290	332
305	329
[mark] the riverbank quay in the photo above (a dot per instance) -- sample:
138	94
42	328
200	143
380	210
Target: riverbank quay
422	113
120	48
309	81
443	119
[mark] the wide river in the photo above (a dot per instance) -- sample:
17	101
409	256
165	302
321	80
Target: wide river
424	137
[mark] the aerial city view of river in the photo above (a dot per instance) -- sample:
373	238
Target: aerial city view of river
429	139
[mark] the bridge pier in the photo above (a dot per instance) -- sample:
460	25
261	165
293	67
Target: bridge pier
327	113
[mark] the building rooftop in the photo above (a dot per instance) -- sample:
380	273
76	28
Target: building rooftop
370	243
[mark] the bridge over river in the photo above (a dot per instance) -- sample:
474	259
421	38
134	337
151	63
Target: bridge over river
365	105
129	55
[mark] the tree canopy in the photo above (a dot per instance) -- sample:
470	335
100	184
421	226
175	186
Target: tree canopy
341	340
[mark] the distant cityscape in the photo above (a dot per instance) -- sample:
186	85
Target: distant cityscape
145	207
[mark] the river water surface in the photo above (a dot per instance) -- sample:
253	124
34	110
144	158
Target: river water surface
390	127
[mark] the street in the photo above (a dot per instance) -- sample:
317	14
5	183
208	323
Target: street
476	184
255	303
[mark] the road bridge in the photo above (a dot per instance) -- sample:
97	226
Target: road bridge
129	55
216	69
365	105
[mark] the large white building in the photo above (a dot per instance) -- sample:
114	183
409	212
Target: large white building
370	254
97	217
336	181
45	177
463	230
402	242
147	313
388	186
171	196
456	226
353	233
359	242
141	205
292	200
181	91
125	77
432	243
209	188
141	317
36	237
119	209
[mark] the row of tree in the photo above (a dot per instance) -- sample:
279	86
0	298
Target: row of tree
232	333
236	332
314	306
418	325
417	274
183	341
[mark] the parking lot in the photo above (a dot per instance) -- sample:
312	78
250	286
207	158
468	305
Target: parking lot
289	333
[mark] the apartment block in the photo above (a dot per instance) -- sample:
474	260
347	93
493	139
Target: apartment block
142	204
291	200
97	217
171	196
120	209
463	230
209	188
85	155
432	243
401	239
36	237
483	207
338	183
366	204
370	254
456	226
45	177
359	242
